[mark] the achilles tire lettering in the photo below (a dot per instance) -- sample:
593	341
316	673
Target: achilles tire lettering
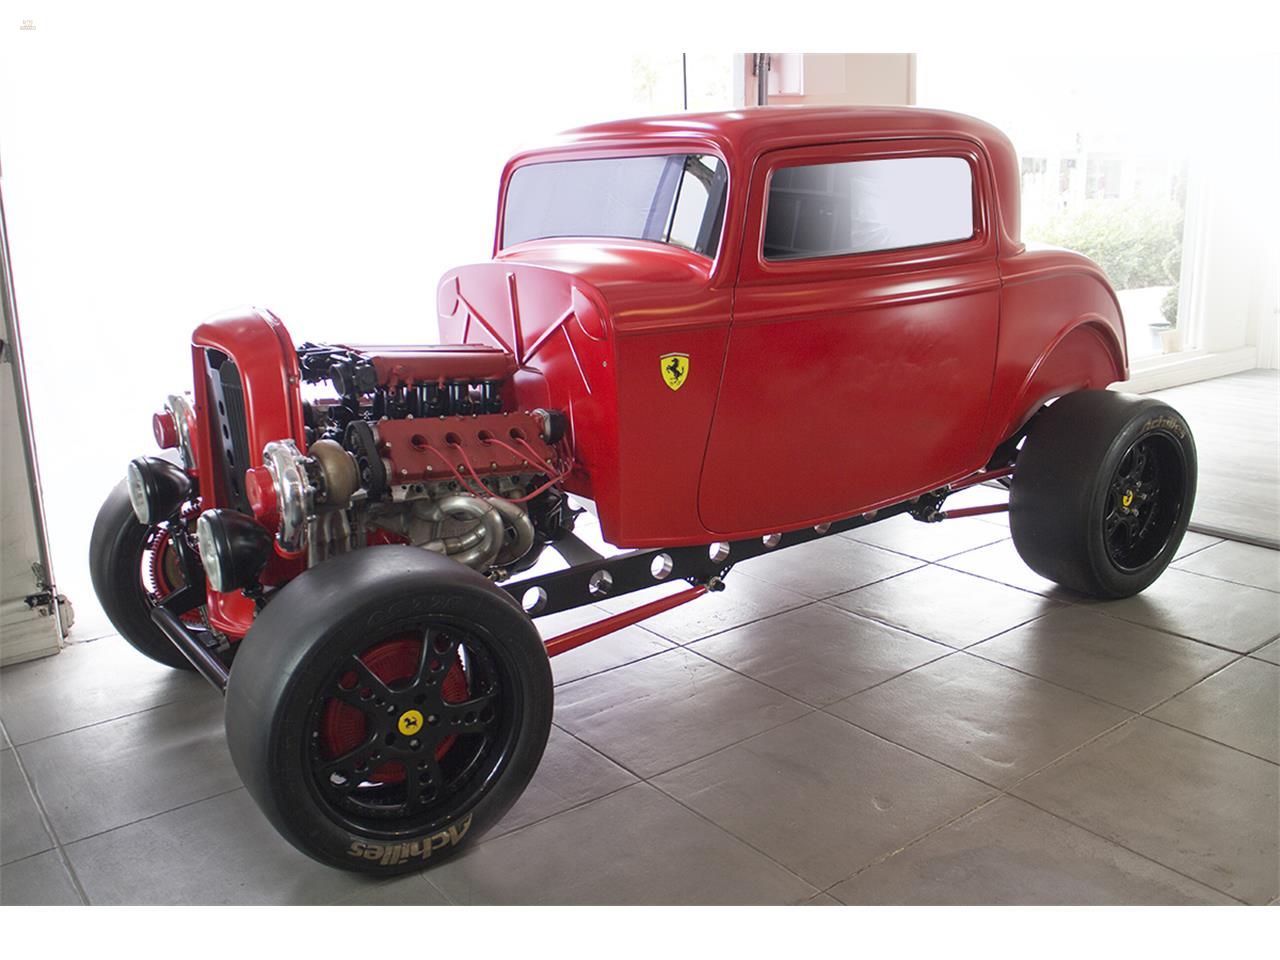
394	854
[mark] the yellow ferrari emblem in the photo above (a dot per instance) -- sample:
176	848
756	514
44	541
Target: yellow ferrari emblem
1127	499
410	722
675	369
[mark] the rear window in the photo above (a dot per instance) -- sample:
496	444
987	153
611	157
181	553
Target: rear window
832	209
677	199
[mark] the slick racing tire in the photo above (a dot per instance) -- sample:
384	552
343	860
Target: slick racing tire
132	568
1102	492
387	706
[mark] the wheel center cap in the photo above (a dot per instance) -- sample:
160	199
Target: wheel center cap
1127	500
410	722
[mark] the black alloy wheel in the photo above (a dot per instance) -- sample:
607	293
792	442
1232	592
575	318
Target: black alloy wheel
1144	501
413	729
388	705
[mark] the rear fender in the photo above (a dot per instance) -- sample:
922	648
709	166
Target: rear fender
1085	356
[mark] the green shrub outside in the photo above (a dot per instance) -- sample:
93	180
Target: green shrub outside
1134	241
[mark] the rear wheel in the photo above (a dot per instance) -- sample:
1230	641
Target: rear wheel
133	568
1103	492
387	705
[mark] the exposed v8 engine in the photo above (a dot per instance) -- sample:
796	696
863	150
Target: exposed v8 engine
418	447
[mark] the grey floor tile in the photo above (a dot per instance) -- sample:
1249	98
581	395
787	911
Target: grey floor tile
1238	562
1238	706
945	605
822	900
1225	614
1201	808
1011	853
828	566
5	742
1193	542
613	650
819	654
641	848
1269	652
1000	561
217	851
113	773
929	541
743	600
570	773
1113	660
414	890
979	717
22	831
822	797
661	712
104	679
39	881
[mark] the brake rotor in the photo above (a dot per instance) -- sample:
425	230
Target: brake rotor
342	727
165	571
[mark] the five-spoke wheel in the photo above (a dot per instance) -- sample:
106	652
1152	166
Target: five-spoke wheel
386	705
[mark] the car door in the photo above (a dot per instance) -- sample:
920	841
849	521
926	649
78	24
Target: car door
863	337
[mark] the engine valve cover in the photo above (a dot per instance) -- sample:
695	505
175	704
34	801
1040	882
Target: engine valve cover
495	444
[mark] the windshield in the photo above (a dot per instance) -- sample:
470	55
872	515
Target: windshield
677	199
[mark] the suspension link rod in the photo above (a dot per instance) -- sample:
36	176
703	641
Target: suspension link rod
594	631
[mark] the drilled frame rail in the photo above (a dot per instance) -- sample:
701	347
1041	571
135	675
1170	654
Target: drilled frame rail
703	565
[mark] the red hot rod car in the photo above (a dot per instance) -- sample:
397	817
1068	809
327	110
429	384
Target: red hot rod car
728	334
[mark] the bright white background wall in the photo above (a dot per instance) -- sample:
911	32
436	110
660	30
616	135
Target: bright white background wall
330	167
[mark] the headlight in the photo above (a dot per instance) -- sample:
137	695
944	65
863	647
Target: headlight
233	548
157	488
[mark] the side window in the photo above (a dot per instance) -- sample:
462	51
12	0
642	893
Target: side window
699	205
832	209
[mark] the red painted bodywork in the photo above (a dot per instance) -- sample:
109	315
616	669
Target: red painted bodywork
268	362
816	389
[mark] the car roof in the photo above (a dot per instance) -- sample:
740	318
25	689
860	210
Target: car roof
769	125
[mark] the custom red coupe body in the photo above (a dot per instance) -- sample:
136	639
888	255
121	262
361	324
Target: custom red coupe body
816	388
728	334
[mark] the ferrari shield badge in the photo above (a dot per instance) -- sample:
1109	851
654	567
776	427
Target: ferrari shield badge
675	369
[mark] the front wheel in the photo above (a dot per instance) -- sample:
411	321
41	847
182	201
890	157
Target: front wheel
133	568
386	706
1103	491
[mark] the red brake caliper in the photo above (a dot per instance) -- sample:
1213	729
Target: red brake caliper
342	727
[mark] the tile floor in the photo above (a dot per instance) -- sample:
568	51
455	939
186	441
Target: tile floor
905	714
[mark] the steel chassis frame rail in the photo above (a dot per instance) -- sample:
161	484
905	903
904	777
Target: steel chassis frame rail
703	566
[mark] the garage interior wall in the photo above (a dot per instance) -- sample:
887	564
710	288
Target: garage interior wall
831	78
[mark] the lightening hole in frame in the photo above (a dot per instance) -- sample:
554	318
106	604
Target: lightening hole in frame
534	600
661	566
